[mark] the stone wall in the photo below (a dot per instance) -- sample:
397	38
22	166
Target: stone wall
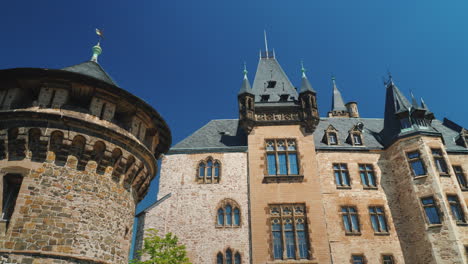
190	211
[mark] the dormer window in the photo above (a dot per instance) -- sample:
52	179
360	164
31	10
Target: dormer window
264	98
284	97
332	139
331	136
271	84
357	139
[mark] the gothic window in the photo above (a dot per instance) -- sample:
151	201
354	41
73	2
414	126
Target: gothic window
461	178
289	231
56	139
281	157
440	161
431	210
340	170
11	188
417	164
350	219
457	211
378	220
209	171
387	259
229	257
366	171
228	214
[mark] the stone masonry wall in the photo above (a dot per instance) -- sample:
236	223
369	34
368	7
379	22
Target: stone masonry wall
190	212
368	243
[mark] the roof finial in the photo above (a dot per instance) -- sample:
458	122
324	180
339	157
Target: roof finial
303	70
97	50
245	70
266	42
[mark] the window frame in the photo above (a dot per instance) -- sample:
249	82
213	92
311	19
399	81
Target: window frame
276	152
392	259
340	171
439	161
362	256
222	206
349	216
205	178
458	206
223	255
379	222
435	206
367	177
281	216
411	161
459	173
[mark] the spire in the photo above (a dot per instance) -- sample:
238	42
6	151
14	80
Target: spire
337	99
423	104
266	41
97	50
245	87
414	103
305	85
395	100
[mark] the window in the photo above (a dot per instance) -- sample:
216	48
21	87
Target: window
439	161
367	175
357	139
289	231
378	221
387	259
457	211
282	157
284	97
11	188
460	176
264	98
209	171
430	208
350	219
229	257
357	259
332	139
228	214
341	174
271	84
417	165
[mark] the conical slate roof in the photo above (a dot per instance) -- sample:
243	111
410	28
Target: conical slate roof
271	80
245	87
92	69
337	99
305	85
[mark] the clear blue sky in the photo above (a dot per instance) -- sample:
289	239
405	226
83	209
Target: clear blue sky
185	57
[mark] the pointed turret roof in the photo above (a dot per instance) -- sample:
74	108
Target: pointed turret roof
337	99
271	80
395	100
305	85
92	69
245	87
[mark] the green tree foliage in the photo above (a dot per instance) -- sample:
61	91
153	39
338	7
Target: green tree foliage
162	250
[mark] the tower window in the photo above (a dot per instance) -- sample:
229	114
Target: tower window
378	221
457	211
439	161
289	231
367	174
282	157
11	188
271	84
460	177
431	210
417	164
340	170
350	219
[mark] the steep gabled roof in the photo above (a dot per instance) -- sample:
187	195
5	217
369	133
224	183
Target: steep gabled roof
92	69
337	99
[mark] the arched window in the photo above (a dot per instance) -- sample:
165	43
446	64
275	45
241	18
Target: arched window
78	146
16	145
116	155
56	139
228	214
209	171
227	258
37	148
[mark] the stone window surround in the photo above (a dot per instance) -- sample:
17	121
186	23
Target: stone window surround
443	159
206	179
463	188
355	131
387	255
364	259
326	138
223	252
385	233
278	178
222	205
369	187
436	205
341	176
407	152
460	207
340	213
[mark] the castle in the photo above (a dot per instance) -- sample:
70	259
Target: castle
77	153
283	185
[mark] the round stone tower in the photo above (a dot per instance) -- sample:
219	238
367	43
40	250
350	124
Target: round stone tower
77	153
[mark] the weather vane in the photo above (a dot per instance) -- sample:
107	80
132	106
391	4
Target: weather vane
100	34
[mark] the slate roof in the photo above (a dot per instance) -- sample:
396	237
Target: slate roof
92	69
226	136
337	100
305	85
245	87
268	69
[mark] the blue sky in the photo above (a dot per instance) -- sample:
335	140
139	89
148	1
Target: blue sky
185	58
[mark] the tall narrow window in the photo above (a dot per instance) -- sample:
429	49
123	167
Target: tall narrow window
341	174
417	165
378	221
208	171
201	169
236	217
358	259
219	258
237	258
228	256
350	219
439	161
457	211
387	259
216	169
332	138
281	157
367	175
430	208
357	139
220	216
460	176
11	187
228	214
289	231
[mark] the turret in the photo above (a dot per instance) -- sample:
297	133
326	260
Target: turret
308	101
246	101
